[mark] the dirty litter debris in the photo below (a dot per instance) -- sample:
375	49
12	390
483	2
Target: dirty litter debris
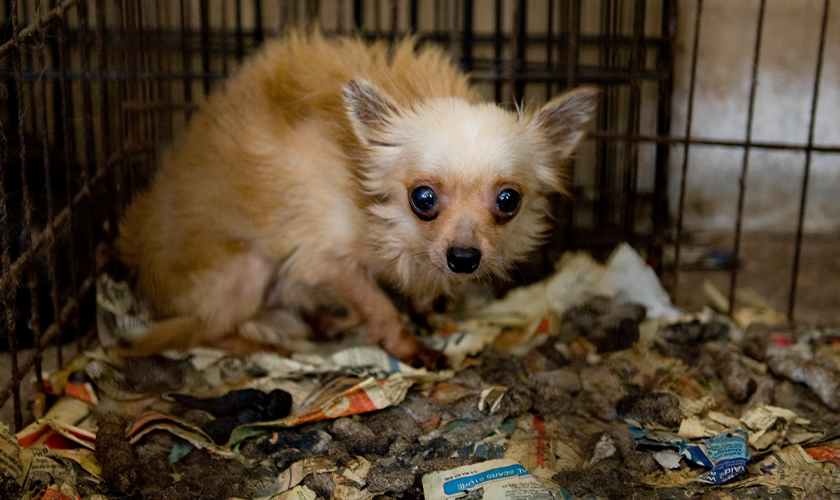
588	384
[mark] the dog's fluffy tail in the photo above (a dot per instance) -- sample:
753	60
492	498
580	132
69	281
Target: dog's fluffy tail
185	332
172	334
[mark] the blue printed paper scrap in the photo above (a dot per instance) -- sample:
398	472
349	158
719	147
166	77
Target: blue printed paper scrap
475	480
726	455
500	479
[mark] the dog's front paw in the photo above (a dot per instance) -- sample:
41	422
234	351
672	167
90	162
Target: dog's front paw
408	349
427	357
419	354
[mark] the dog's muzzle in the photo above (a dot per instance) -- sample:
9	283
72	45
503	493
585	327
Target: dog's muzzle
463	260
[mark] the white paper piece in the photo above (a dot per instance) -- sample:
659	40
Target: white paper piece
360	360
625	277
667	458
605	448
635	281
528	301
578	278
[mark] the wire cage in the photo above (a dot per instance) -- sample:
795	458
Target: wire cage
94	90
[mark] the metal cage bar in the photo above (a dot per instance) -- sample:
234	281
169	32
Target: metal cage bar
692	85
742	180
806	175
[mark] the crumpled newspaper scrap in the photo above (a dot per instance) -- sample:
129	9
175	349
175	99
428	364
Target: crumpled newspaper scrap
694	436
349	397
27	468
68	430
355	472
794	466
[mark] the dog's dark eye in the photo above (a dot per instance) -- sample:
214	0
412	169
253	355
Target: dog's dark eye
424	202
508	202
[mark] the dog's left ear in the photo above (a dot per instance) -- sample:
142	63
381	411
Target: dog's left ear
563	117
370	111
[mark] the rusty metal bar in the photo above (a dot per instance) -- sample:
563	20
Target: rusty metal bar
520	40
412	16
395	12
670	139
742	181
14	272
34	323
163	91
239	33
69	151
555	207
224	41
662	158
147	123
52	256
497	51
692	84
102	170
204	36
11	319
573	50
605	156
87	140
118	173
564	208
133	133
806	176
186	63
51	335
25	33
549	48
377	18
357	15
467	36
259	29
87	134
634	115
341	17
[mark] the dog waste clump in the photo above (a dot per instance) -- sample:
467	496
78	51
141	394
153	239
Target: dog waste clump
589	384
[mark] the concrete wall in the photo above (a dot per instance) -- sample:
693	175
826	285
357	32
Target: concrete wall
786	75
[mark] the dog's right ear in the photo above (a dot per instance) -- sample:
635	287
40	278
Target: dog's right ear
562	119
370	111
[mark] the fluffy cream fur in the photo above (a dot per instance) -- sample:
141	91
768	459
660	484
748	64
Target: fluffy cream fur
290	189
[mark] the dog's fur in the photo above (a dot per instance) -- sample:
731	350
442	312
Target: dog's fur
291	188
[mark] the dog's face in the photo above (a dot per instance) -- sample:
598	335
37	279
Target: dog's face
464	186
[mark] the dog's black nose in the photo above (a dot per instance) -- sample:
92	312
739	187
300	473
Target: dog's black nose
463	260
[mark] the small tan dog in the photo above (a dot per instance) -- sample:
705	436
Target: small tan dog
328	169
